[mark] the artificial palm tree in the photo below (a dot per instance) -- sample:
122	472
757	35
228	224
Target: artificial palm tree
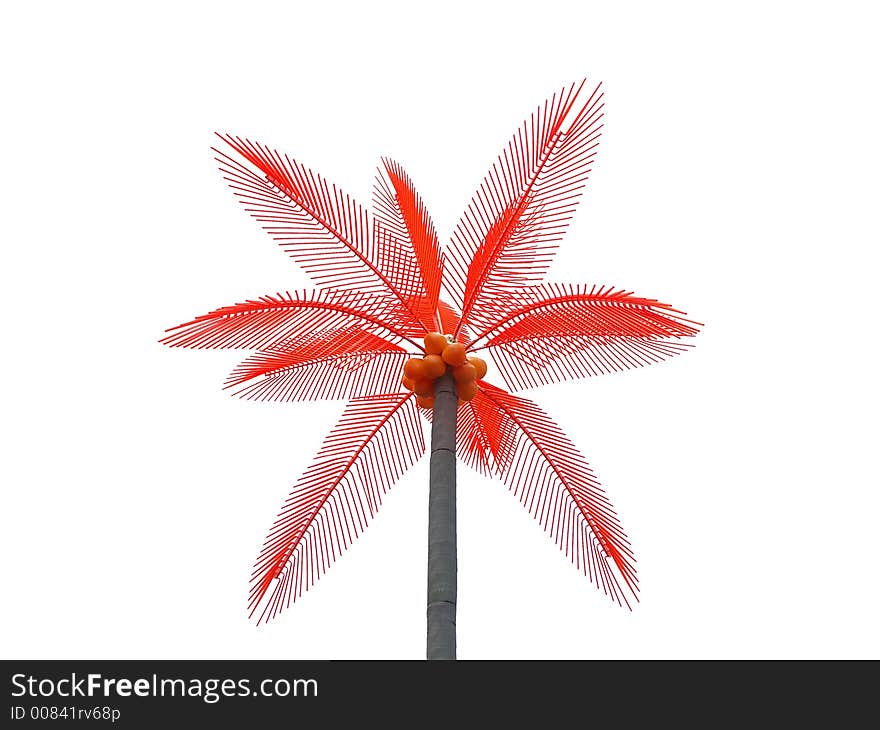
378	334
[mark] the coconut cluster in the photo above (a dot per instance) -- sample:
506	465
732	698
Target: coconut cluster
442	355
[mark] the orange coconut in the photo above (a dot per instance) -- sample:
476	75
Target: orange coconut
434	343
414	368
479	365
434	366
424	388
466	373
466	391
454	354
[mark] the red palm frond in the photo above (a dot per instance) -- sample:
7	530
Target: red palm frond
471	442
328	365
508	234
510	436
450	322
479	433
525	364
323	229
375	441
260	323
413	251
554	332
554	482
483	434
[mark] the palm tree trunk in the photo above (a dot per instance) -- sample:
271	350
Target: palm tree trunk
442	560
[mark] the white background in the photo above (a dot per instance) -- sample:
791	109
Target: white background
737	180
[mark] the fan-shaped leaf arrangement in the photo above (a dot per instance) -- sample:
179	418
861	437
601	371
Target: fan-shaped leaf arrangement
381	278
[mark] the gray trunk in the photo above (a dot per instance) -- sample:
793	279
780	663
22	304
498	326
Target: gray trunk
442	560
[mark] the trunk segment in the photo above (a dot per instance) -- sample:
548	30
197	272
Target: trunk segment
442	559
